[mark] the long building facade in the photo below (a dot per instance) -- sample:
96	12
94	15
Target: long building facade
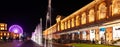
99	21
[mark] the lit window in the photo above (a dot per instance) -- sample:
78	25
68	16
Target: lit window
14	34
1	38
83	18
77	20
5	34
62	25
2	28
73	22
65	25
91	15
102	11
2	24
115	7
68	23
8	34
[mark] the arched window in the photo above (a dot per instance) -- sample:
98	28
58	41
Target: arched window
102	11
68	23
77	20
115	7
62	25
83	18
91	15
73	22
65	25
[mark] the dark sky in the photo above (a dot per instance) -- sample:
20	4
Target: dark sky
27	13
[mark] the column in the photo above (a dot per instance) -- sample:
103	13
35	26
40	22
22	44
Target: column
97	37
96	12
73	36
81	36
87	35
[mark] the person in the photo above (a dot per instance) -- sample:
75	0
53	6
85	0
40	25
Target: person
93	41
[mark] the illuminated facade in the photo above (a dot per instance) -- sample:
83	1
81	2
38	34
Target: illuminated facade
3	26
5	33
99	20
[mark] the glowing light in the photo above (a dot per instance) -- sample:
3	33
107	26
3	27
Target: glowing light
4	33
1	34
2	28
16	29
1	38
8	34
2	25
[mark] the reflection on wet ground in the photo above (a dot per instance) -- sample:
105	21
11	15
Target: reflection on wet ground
28	43
16	43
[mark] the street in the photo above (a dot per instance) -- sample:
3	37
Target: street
17	43
28	43
10	44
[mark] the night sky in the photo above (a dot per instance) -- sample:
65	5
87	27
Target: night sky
27	13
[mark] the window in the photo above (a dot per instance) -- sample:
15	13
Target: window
77	20
91	16
62	25
68	23
83	18
102	11
115	7
73	22
65	25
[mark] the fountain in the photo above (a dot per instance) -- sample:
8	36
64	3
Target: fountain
37	34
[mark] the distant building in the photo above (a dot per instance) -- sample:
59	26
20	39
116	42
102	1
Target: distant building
4	33
3	26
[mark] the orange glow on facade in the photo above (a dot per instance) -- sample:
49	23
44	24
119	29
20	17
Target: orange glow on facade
1	38
3	26
115	7
102	11
83	18
77	20
65	25
62	25
4	34
69	23
58	27
91	15
73	22
8	34
0	33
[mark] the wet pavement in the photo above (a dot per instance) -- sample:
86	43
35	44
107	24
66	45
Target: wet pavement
56	45
16	43
28	43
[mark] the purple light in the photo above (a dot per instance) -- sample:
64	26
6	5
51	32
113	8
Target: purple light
16	29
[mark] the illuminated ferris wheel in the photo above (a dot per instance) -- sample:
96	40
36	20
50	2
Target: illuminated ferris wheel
16	29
